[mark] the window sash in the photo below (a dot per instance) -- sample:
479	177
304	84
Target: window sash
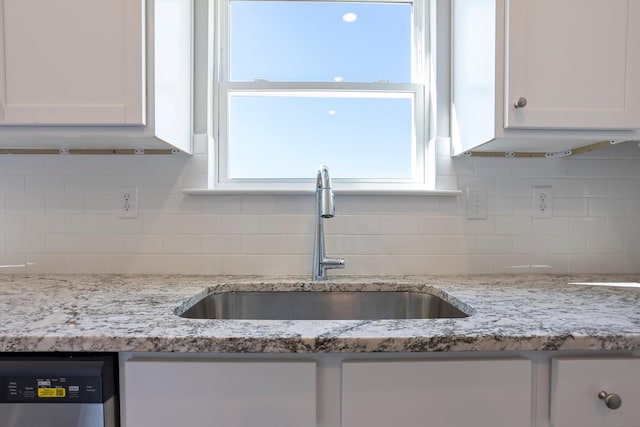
225	89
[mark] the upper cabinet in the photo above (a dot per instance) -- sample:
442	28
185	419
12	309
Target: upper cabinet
95	74
72	62
549	75
574	63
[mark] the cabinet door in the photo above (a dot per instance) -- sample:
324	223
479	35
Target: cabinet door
219	394
576	384
463	393
576	62
71	62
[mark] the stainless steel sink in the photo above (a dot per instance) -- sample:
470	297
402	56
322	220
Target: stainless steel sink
325	305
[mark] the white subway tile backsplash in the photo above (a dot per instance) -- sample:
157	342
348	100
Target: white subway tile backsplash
161	223
624	188
605	244
83	184
568	244
607	207
64	202
77	223
24	203
24	242
200	224
104	243
514	186
22	165
113	224
44	184
549	264
550	226
65	243
570	206
203	264
86	263
531	244
143	243
457	245
182	243
222	244
261	244
476	264
513	225
58	214
13	263
494	245
46	263
100	203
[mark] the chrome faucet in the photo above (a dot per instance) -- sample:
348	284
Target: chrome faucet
325	208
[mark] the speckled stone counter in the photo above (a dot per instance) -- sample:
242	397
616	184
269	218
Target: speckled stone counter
138	313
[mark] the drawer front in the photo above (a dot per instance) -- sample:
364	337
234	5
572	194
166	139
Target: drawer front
463	393
577	383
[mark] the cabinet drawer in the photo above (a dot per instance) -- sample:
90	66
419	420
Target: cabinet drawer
576	383
459	393
219	393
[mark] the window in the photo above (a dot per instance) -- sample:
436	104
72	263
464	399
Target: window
301	83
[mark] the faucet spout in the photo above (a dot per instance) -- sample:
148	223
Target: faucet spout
325	208
324	193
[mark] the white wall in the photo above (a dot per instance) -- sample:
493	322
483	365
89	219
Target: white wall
58	215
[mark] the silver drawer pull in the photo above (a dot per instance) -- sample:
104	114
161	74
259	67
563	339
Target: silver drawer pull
612	400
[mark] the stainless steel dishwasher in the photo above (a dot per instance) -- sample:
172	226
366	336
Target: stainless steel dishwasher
56	390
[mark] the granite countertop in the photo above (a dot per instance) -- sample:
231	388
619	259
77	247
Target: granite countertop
137	313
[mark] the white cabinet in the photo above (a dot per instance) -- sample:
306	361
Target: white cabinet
576	384
576	62
193	393
574	65
72	62
449	393
95	74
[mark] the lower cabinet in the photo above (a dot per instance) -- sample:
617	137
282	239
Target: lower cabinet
458	393
193	393
576	392
363	390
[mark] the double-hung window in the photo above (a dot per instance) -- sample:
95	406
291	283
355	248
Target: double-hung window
300	83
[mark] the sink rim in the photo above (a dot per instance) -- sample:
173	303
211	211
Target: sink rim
315	287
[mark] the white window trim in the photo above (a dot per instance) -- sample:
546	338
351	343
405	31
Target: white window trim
425	183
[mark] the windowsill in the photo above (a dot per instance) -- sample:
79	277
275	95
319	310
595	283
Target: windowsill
311	191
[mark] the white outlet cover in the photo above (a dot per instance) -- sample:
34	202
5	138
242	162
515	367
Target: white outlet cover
127	201
476	203
542	202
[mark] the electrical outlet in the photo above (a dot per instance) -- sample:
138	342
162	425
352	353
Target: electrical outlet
542	202
127	202
476	203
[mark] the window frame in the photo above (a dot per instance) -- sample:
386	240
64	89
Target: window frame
423	159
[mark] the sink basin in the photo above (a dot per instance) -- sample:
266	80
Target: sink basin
326	305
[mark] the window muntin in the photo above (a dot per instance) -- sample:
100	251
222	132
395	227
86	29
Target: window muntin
380	152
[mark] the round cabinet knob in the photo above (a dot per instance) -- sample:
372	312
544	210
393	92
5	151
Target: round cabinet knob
521	102
612	400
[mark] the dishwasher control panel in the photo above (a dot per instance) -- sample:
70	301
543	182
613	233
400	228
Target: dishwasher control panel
56	380
53	388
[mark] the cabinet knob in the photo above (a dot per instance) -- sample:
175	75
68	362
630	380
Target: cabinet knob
612	400
521	102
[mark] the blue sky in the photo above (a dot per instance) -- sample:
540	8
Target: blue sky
315	42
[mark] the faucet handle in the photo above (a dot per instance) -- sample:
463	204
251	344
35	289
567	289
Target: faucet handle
332	263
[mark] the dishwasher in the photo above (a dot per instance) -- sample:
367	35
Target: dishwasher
56	390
